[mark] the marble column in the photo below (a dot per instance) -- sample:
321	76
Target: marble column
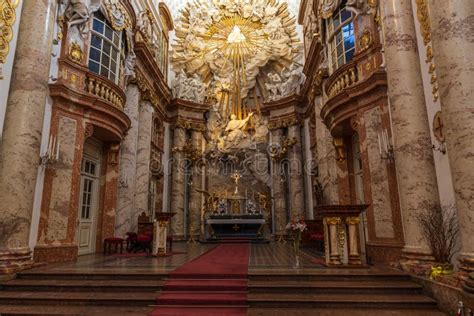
453	47
326	160
296	174
143	174
20	145
194	206
278	189
177	183
411	133
128	165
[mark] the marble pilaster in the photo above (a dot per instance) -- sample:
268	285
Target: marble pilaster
383	222
326	161
21	140
194	206
411	134
128	165
278	189
453	47
177	184
143	174
296	174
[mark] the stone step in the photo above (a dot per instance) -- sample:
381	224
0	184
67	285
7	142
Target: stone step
74	310
332	311
355	300
328	275
96	275
77	298
85	285
337	286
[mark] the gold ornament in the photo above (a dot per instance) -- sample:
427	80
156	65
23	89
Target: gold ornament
366	40
75	52
7	19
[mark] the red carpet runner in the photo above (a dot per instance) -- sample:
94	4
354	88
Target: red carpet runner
214	284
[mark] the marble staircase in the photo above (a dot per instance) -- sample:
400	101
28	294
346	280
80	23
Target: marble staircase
370	292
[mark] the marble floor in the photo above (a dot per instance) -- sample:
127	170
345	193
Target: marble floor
262	257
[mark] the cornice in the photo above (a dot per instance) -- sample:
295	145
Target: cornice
286	102
188	106
157	80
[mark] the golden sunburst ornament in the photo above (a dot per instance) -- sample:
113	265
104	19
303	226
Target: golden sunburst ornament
228	42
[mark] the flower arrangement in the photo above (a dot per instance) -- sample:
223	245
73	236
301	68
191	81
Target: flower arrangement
297	226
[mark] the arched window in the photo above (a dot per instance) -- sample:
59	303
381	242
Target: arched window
107	49
341	38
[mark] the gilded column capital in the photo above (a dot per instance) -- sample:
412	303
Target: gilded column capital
189	125
279	123
352	220
333	220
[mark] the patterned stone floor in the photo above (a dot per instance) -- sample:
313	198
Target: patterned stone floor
262	257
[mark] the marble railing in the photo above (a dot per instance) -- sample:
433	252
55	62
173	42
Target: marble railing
104	90
341	233
343	78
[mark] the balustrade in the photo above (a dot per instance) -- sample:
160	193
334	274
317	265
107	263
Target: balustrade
345	78
105	91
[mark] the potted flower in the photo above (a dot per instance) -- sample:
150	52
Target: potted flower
296	226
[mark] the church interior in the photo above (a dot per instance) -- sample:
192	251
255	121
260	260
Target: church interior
237	157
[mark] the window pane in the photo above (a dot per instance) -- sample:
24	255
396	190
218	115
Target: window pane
114	54
104	72
113	66
339	50
345	15
349	55
105	60
107	47
98	26
116	39
108	32
340	61
339	37
96	42
95	55
94	67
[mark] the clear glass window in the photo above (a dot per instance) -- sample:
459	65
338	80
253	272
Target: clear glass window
106	49
341	37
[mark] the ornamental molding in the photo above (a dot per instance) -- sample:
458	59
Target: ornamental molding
7	20
423	16
186	124
284	122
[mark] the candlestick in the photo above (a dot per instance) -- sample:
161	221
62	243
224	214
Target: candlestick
51	153
380	145
57	150
49	145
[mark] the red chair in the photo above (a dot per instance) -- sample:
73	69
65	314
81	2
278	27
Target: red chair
144	242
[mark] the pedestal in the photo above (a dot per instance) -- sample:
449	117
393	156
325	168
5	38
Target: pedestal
341	231
160	233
